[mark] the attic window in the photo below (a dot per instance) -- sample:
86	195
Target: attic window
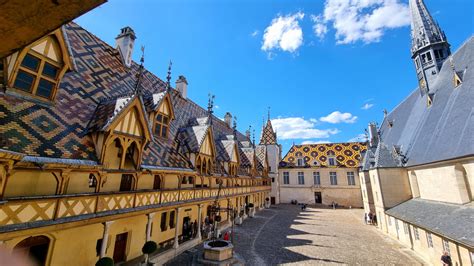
162	125
429	99
390	123
457	79
41	69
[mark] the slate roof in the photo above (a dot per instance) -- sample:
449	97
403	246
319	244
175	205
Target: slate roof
444	130
89	98
347	154
449	220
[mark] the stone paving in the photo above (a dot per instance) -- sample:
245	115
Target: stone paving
286	235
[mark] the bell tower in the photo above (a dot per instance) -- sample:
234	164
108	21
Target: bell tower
429	46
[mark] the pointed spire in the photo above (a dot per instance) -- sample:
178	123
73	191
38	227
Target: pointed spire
429	45
139	75
168	77
424	29
268	112
268	135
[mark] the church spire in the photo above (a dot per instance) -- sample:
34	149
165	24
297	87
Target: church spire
429	46
269	136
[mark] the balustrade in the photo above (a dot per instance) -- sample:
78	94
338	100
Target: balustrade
25	210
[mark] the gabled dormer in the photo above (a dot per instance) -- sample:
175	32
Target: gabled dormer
232	156
120	131
207	154
36	70
161	113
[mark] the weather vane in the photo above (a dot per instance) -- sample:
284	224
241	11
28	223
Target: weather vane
168	77
140	72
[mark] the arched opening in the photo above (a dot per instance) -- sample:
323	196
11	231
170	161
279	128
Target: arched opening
35	247
131	157
199	165
461	177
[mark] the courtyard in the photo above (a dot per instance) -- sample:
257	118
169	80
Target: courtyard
286	235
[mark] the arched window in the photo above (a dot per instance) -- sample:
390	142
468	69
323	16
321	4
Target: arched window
331	158
162	124
34	247
41	69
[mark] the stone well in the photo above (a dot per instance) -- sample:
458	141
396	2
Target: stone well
218	250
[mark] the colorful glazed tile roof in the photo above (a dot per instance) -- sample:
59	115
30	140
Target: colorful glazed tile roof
316	155
90	97
268	137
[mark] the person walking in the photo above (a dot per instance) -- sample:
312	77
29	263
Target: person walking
446	259
370	217
374	219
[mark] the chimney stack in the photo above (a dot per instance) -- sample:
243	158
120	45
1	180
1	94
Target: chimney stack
228	119
124	43
182	86
373	135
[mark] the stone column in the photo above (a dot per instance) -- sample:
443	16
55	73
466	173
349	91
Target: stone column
148	225
105	238
176	228
199	222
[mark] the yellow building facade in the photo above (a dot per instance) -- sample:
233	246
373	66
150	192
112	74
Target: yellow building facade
98	156
324	174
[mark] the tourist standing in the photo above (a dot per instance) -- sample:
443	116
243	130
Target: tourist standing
446	259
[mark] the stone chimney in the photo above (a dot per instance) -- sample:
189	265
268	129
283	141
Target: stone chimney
182	86
124	42
373	135
228	119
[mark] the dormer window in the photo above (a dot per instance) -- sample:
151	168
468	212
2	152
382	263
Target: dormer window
331	158
300	162
40	69
162	125
457	79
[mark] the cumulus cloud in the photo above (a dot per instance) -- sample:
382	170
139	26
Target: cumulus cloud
361	20
300	128
359	138
315	142
367	106
319	27
284	33
338	117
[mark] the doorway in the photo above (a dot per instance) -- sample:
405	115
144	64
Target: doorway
318	198
272	200
120	247
126	182
36	248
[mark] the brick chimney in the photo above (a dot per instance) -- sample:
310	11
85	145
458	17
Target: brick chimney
228	119
124	42
182	86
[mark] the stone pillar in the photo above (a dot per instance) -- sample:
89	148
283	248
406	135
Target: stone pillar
176	228
148	225
105	238
199	221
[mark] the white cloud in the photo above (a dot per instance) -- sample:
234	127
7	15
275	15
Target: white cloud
254	33
361	20
284	33
315	142
217	106
359	138
338	117
320	28
300	128
367	106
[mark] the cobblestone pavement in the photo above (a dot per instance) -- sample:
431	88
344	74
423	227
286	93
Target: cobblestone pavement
286	235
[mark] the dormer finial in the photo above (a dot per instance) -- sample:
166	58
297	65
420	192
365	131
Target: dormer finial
168	77
138	89
210	105
268	112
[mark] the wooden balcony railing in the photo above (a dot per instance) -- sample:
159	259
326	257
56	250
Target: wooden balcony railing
26	210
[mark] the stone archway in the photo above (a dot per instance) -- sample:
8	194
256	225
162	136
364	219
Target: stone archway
35	247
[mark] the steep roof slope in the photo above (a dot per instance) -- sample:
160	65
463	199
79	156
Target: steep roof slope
445	129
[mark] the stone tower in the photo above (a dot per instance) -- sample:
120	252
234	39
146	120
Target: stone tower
429	46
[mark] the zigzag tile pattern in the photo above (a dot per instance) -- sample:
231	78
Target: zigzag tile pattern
61	130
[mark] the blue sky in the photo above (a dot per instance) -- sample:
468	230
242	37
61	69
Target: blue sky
317	64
